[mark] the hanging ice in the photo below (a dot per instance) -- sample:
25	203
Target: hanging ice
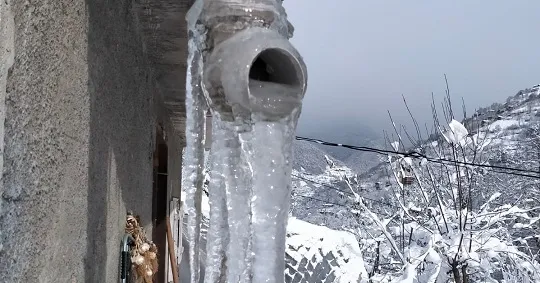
272	165
254	82
218	232
194	152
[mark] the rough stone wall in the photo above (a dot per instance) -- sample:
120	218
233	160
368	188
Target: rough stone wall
78	139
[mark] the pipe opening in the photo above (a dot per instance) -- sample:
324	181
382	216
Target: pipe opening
276	66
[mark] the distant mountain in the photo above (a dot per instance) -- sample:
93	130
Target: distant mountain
348	132
309	158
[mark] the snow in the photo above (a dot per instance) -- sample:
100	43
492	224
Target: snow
395	145
520	110
503	124
306	240
457	132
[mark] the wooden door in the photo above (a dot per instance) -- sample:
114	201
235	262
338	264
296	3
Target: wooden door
159	203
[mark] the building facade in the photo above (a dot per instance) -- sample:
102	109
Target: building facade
92	114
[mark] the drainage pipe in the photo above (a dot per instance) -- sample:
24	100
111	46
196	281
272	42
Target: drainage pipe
254	81
251	67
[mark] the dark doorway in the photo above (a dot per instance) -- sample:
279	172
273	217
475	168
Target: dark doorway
159	203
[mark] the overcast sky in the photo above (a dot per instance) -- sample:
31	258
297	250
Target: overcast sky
362	55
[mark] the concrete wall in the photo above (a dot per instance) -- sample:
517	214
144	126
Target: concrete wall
78	139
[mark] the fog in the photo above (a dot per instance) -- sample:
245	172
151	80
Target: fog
362	56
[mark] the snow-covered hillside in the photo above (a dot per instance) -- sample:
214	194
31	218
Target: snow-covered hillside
308	158
504	135
509	134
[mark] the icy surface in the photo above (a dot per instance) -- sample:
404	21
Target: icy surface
194	155
238	178
250	178
218	232
215	10
272	165
249	199
273	98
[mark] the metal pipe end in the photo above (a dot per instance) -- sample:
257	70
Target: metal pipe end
256	70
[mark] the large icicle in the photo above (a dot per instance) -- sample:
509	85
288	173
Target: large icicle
218	233
254	81
239	191
272	165
194	153
230	215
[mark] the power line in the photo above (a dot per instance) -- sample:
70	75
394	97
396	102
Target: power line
415	154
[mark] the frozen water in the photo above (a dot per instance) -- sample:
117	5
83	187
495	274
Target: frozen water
218	232
250	197
194	13
272	166
250	186
215	10
273	98
238	176
194	155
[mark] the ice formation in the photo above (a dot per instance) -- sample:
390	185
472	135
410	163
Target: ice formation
253	128
272	166
194	152
218	234
249	199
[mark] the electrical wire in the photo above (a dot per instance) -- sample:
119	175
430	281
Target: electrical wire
415	154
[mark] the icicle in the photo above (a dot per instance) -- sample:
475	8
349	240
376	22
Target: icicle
218	233
194	154
272	166
238	188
